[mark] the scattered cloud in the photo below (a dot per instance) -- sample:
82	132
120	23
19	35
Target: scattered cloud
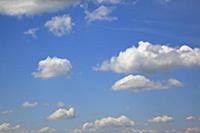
139	83
60	25
149	58
108	1
8	128
62	113
53	67
31	32
192	118
29	104
192	130
161	119
120	124
100	14
46	130
33	7
6	112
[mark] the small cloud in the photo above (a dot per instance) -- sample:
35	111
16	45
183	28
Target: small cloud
100	14
62	113
60	25
161	119
53	67
47	130
29	104
60	104
7	127
6	112
31	32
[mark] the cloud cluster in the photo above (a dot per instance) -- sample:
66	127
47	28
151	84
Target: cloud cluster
139	83
33	7
62	113
53	67
149	58
120	124
60	25
161	119
29	104
100	14
7	127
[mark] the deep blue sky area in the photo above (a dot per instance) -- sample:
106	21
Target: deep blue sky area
86	45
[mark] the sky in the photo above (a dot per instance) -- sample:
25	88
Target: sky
99	66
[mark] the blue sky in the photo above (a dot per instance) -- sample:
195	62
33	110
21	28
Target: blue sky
76	40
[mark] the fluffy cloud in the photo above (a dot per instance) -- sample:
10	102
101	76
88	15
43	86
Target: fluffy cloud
46	130
148	58
53	67
62	113
33	7
121	124
139	82
31	32
100	14
29	104
161	119
60	25
7	127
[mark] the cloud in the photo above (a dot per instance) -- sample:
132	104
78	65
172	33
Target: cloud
29	104
46	130
100	14
7	127
120	124
149	58
62	113
108	1
53	67
60	25
192	130
31	32
33	7
60	104
6	112
139	82
192	118
161	119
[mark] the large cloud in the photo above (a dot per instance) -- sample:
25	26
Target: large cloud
161	119
62	113
139	82
60	25
33	7
53	67
120	124
100	14
148	58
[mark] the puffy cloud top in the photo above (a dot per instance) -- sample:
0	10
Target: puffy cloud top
33	7
62	113
7	127
53	67
148	58
161	119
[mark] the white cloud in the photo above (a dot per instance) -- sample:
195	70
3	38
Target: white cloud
109	1
29	104
31	32
120	124
191	118
33	7
60	104
139	82
6	112
60	25
46	130
7	127
53	67
148	58
192	130
62	113
162	119
100	14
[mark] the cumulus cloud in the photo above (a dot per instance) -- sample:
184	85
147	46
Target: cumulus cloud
149	58
53	67
120	124
46	130
31	32
7	127
29	104
139	82
62	113
100	14
161	119
33	7
60	25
